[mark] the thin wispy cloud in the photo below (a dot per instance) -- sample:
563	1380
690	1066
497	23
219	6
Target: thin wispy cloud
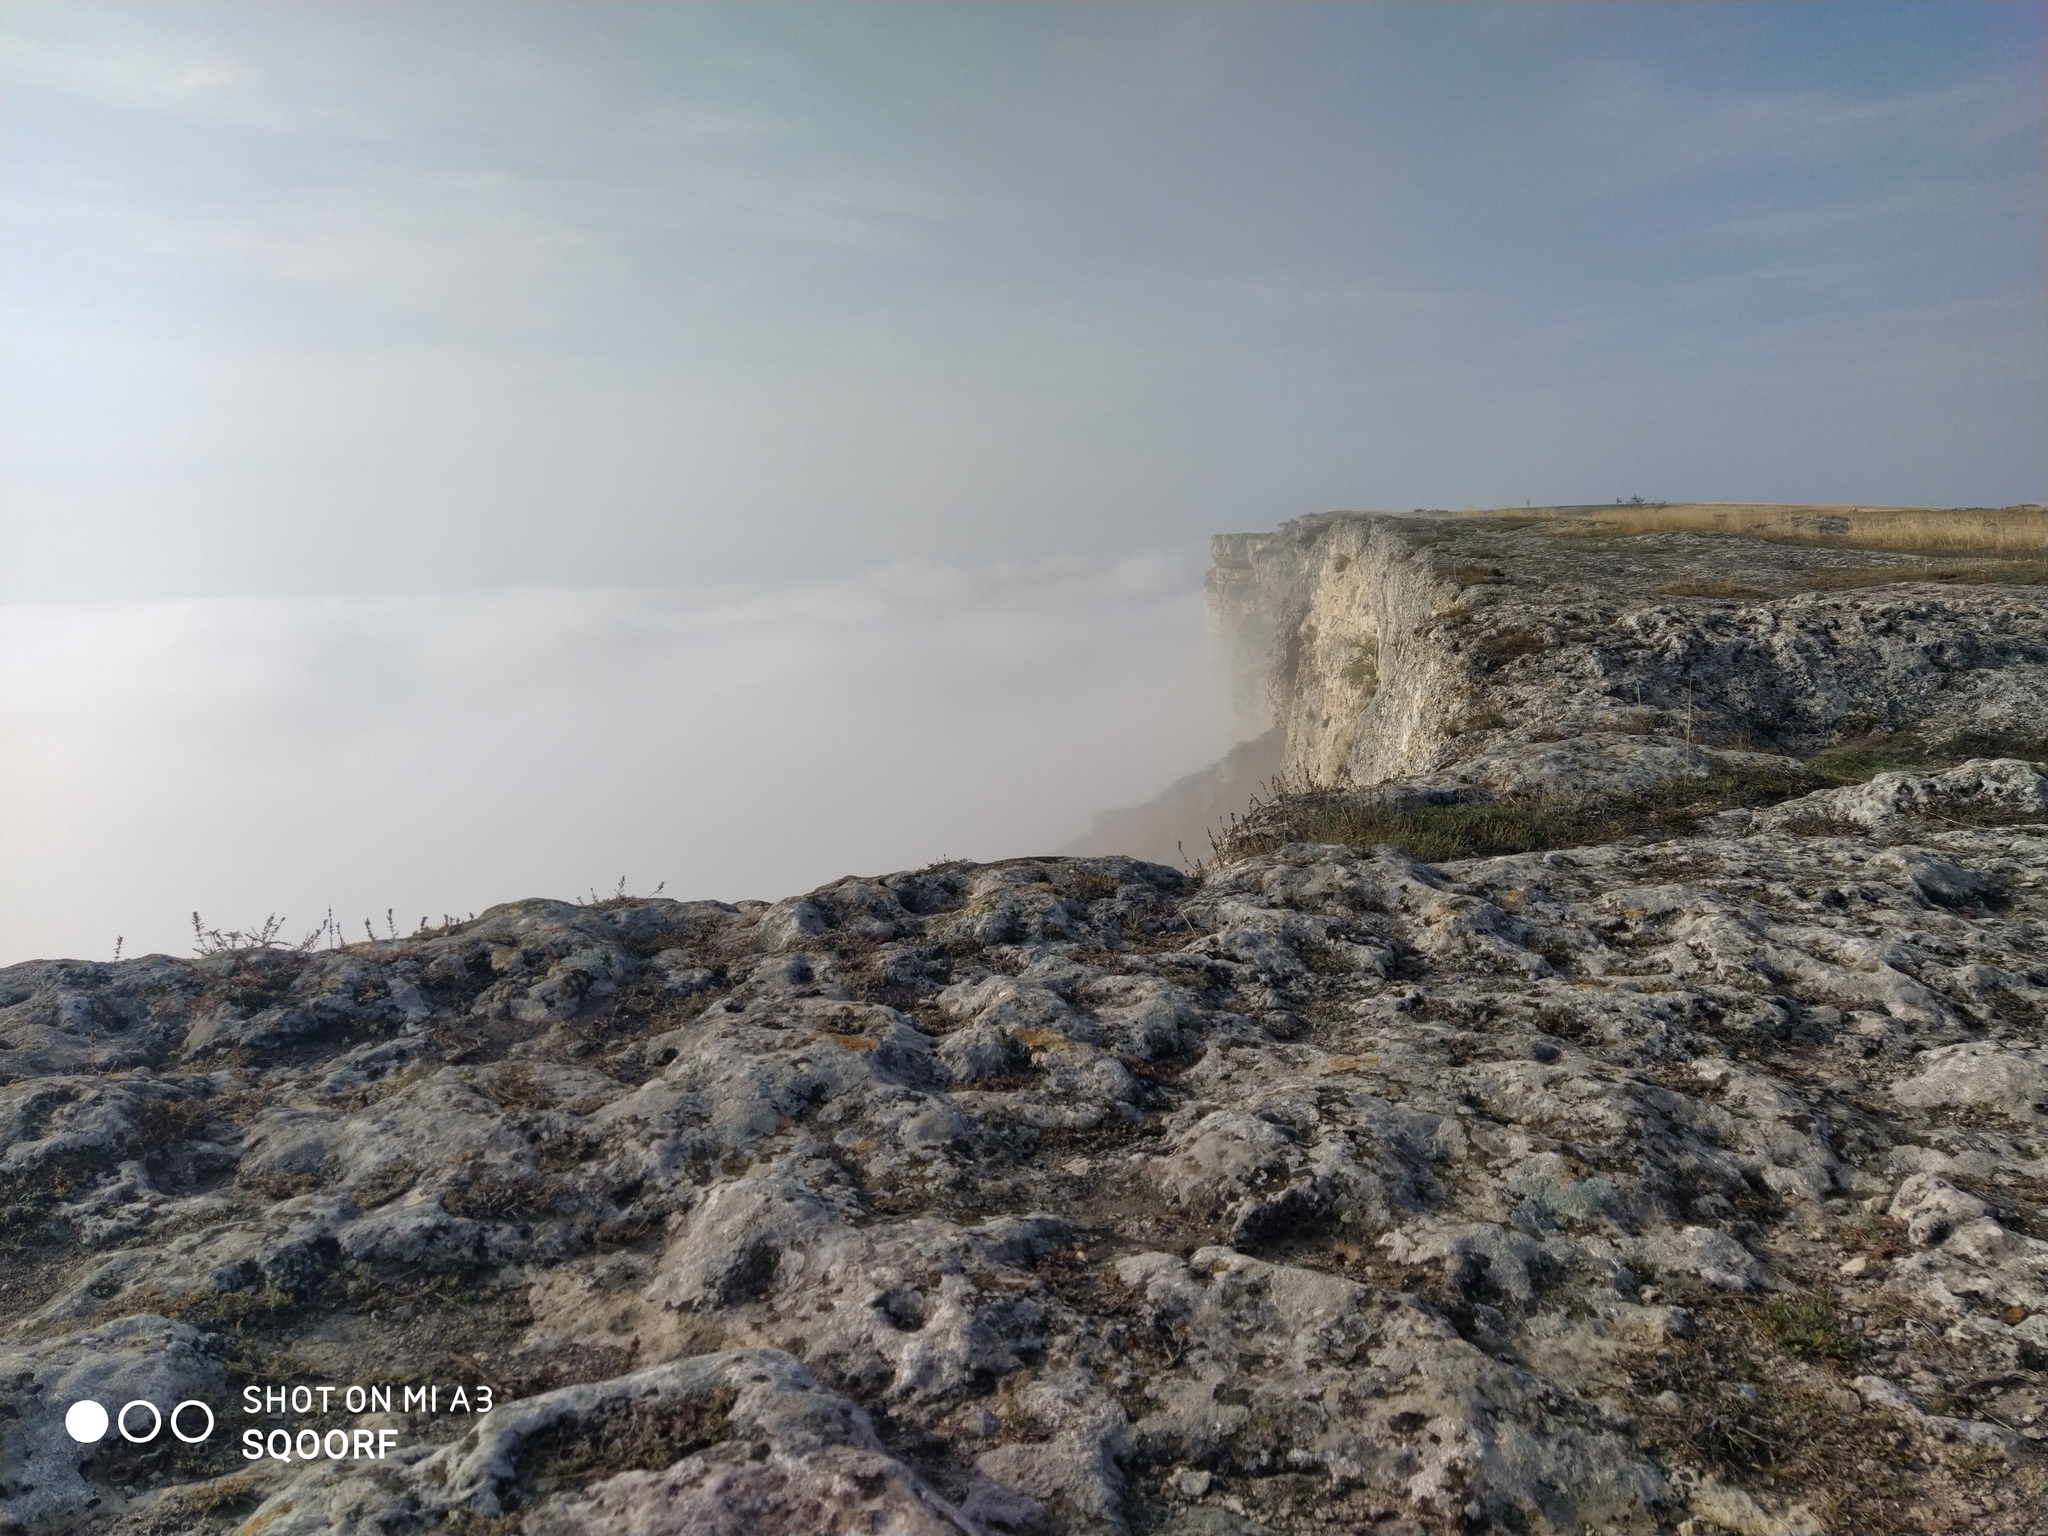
174	80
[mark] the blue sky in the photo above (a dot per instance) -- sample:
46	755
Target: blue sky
370	298
451	452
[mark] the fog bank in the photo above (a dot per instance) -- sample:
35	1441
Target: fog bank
435	754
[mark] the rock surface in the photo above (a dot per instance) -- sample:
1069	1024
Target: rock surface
1527	654
1685	1184
1331	1191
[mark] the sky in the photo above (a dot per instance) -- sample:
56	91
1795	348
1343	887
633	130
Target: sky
458	451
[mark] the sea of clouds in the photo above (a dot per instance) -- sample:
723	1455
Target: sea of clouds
440	753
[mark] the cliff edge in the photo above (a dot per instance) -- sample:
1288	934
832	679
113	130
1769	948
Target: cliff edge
1527	652
1691	1181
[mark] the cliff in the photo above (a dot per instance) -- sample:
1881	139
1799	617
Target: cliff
1174	826
1525	652
1689	1181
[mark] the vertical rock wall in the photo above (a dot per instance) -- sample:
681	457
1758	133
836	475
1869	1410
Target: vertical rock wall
1326	621
1520	653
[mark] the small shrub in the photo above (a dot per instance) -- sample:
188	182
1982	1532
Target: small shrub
28	1198
518	1087
1363	669
223	1493
385	1185
1509	644
215	941
163	1121
502	1194
278	1186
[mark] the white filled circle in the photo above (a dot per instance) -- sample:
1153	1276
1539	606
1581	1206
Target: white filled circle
86	1422
156	1425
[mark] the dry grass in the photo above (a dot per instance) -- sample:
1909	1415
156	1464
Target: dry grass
1721	1402
1863	757
1849	578
1999	533
1297	809
630	1437
1976	573
1760	1398
1721	587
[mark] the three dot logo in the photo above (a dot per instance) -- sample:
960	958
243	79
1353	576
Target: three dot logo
86	1421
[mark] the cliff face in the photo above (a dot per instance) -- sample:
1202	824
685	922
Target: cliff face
1330	621
1495	656
1173	827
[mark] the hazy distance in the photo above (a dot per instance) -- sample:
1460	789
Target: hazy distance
457	452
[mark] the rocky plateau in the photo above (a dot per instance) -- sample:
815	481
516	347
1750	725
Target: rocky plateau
1690	1182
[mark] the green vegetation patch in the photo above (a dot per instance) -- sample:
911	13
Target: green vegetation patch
1810	1328
1363	669
1864	757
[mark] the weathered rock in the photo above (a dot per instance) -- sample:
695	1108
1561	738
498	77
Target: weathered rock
1328	1189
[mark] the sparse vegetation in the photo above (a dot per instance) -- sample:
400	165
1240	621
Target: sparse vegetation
618	897
164	1120
1502	646
1300	810
1850	578
1721	587
222	1494
1810	1328
28	1198
636	1437
517	1086
1864	757
1720	1403
1473	575
386	1184
1363	669
215	941
1999	572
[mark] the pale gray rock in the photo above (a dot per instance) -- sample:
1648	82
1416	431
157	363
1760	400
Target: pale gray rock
1892	799
130	1359
1712	1256
1480	652
1323	1189
2007	1080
